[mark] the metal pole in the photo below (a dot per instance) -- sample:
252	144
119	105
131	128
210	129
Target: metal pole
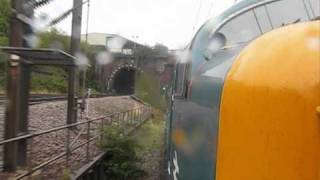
17	91
88	16
76	26
71	118
23	111
75	48
68	148
88	142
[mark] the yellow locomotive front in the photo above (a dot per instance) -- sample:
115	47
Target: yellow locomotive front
246	104
269	123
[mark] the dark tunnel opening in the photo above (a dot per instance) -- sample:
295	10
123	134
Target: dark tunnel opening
124	81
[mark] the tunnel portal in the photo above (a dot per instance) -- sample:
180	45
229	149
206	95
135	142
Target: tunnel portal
124	80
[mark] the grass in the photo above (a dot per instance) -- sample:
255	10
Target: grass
150	135
148	89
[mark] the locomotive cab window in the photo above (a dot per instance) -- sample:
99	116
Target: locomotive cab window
241	29
297	11
253	23
314	8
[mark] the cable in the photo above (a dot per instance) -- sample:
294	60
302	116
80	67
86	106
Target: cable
65	14
197	16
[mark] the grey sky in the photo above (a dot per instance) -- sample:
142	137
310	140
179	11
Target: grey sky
170	22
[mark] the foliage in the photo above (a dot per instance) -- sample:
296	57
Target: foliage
149	90
4	32
54	39
161	50
150	136
56	82
91	52
3	77
4	19
4	41
121	162
66	174
145	52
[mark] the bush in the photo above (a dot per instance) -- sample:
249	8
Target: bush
54	83
121	162
148	89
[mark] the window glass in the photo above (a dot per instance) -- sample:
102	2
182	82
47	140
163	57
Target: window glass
242	28
287	12
314	7
263	19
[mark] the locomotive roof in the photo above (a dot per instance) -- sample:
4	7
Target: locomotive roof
238	7
211	25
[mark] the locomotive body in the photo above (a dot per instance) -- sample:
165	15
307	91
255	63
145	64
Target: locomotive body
246	100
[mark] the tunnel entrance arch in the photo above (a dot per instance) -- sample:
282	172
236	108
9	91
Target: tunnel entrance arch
122	79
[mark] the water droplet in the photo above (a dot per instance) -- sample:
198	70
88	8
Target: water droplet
116	44
182	56
104	58
32	40
313	43
56	45
81	60
40	23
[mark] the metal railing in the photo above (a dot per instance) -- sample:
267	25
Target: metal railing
128	121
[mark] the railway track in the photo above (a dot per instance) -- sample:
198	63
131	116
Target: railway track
130	120
33	100
37	99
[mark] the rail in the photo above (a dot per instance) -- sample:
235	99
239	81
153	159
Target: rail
41	98
133	118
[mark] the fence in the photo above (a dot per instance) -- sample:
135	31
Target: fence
92	131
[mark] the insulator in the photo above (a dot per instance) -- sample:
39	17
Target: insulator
34	4
60	18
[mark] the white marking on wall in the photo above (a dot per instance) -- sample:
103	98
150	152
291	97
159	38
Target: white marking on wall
176	166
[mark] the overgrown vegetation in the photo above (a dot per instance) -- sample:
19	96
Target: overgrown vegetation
55	82
150	136
4	21
122	162
4	32
126	154
148	88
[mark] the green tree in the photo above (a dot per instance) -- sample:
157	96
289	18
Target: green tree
121	161
57	83
161	50
4	21
54	39
4	33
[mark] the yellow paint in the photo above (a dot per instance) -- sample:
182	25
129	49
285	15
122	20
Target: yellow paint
269	127
318	110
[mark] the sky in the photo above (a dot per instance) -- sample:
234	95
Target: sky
169	22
